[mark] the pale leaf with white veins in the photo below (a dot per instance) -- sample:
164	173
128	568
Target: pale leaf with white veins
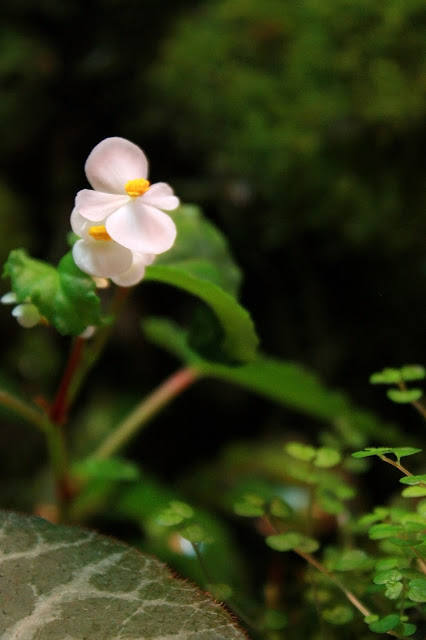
65	583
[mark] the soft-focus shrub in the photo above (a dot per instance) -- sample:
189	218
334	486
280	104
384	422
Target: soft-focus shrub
312	108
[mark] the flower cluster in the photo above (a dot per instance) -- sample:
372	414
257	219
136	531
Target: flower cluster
121	223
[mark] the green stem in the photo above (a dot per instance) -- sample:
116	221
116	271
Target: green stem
59	463
94	352
146	409
23	410
350	596
54	440
204	570
397	465
229	601
320	567
416	404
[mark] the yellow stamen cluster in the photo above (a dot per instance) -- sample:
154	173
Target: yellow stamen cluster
98	232
137	187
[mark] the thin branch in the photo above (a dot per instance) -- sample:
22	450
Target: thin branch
396	464
350	596
146	409
23	410
416	404
94	352
420	408
320	567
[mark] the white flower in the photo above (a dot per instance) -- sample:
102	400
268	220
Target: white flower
124	203
26	314
97	254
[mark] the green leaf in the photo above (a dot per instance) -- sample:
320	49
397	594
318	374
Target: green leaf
413	372
421	508
404	396
379	513
141	502
399	452
64	582
329	502
372	451
390	575
285	382
195	533
327	457
387	563
169	336
340	614
202	249
65	296
386	376
251	505
383	530
219	591
414	492
275	620
111	469
240	340
402	452
393	590
408	629
200	263
413	479
300	451
417	590
351	560
279	508
385	624
292	540
371	618
175	513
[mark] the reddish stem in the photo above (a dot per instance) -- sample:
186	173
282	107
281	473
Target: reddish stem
59	408
146	409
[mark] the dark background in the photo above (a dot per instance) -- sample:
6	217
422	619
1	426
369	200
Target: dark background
298	127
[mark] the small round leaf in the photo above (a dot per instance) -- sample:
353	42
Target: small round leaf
404	396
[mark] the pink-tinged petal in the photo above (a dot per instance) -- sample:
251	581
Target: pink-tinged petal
95	205
161	195
142	228
79	224
113	162
102	259
135	273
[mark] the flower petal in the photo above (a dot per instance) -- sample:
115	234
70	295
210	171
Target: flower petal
78	223
113	162
161	195
99	258
136	271
95	205
27	315
9	298
142	228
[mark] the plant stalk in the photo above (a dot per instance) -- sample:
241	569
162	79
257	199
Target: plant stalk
94	352
23	410
397	465
320	567
59	410
146	409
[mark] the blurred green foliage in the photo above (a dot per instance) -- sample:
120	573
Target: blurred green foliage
316	106
300	127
